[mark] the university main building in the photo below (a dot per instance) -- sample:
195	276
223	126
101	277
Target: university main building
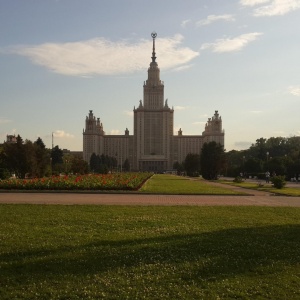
153	145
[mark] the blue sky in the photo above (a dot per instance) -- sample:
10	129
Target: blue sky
61	58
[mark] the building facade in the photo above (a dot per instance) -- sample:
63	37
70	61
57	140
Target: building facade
153	145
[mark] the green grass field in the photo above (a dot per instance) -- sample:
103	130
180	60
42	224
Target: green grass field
261	186
177	185
114	252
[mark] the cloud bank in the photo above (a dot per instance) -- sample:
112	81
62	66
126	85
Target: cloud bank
178	107
100	56
62	134
272	7
294	90
214	18
231	44
184	23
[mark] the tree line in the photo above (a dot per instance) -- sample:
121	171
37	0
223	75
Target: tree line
210	163
33	159
104	163
277	155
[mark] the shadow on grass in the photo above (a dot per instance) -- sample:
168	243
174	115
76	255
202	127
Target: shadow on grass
210	256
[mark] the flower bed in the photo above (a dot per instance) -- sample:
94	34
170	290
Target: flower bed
116	181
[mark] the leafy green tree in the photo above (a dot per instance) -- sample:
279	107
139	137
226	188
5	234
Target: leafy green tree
192	164
78	165
212	160
93	163
102	164
293	168
57	156
276	166
233	163
41	158
253	166
259	150
15	158
126	165
4	172
179	167
277	146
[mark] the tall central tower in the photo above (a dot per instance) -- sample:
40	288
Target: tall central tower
153	146
153	87
153	123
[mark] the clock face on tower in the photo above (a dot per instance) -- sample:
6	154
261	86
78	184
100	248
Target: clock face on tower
154	34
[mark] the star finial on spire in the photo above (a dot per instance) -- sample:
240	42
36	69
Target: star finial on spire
154	35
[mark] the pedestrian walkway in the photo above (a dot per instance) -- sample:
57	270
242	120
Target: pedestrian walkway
256	199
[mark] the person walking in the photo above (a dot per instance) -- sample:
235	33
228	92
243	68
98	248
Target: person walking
267	177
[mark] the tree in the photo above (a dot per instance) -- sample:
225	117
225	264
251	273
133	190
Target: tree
57	155
179	167
94	163
253	166
101	164
41	158
276	166
212	160
57	165
15	158
233	163
126	165
4	172
78	165
192	164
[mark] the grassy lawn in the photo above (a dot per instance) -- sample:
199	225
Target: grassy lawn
114	252
170	184
286	191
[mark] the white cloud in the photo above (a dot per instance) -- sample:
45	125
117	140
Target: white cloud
128	113
104	57
272	7
62	134
214	18
177	107
184	67
232	44
294	90
256	111
184	23
253	2
115	131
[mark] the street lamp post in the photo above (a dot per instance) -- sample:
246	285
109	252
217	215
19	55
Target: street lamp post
51	166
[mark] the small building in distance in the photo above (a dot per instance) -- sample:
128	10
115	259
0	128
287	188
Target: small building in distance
11	139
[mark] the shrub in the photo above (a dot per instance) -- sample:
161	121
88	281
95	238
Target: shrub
260	184
278	181
238	179
4	174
